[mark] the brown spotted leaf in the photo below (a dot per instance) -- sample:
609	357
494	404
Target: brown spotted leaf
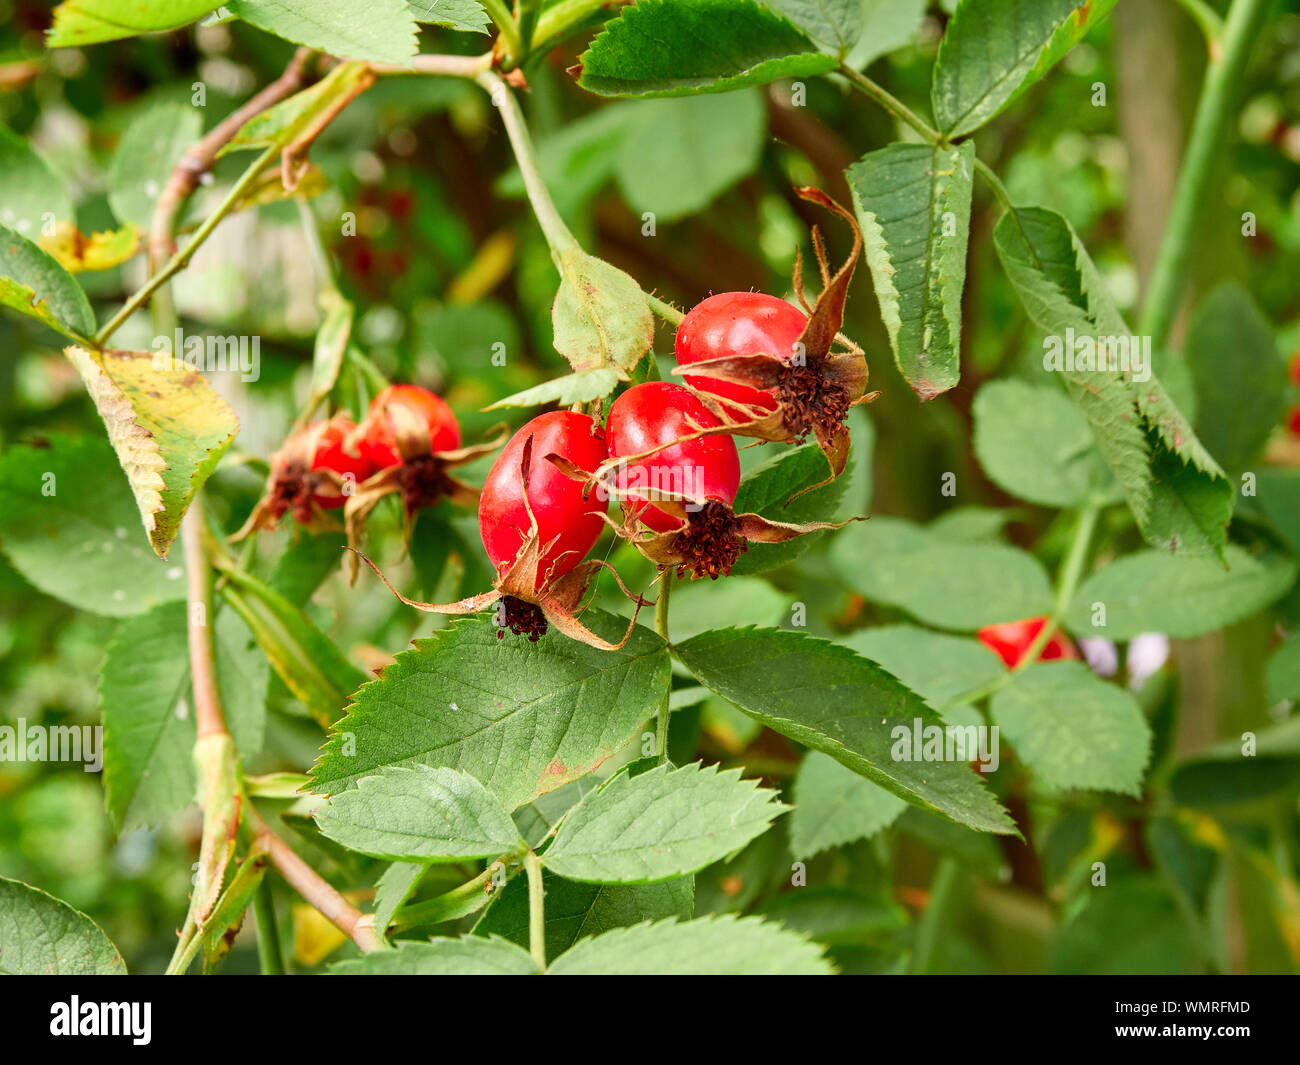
167	424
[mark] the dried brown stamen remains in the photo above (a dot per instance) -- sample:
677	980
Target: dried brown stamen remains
711	541
812	403
424	481
522	618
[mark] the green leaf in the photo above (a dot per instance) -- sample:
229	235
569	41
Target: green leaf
677	156
888	25
78	22
724	945
42	936
331	344
1283	673
581	387
522	717
1238	409
420	813
146	155
851	714
660	824
33	282
393	889
769	489
913	201
144	690
937	666
1062	468
466	956
384	32
29	188
834	806
835	23
701	605
1151	591
942	582
1231	773
227	916
65	526
1178	494
167	424
281	126
308	662
1072	729
601	317
973	523
683	47
465	15
1132	927
994	50
575	911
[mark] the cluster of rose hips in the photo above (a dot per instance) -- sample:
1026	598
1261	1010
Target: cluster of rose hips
407	443
758	367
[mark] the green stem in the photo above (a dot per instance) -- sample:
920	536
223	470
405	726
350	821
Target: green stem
1208	20
943	894
181	259
507	26
1213	112
557	233
903	113
562	18
666	311
444	907
269	956
1067	582
186	949
536	909
661	627
891	103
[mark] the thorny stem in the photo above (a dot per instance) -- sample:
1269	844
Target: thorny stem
1213	112
666	311
536	909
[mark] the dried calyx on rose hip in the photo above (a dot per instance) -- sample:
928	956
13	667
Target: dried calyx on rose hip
784	375
1012	639
537	526
675	470
317	469
412	440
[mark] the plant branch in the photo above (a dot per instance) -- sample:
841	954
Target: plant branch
208	714
314	888
1213	112
182	258
269	956
536	909
506	26
1208	22
557	233
661	627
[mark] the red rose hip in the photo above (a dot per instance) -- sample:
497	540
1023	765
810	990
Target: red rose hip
401	414
738	323
1010	640
567	523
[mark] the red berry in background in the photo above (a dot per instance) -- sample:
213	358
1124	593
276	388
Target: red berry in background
1295	368
650	415
1010	640
1293	421
335	453
400	419
738	323
567	523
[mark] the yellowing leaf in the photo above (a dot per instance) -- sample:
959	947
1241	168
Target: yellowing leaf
77	252
167	424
